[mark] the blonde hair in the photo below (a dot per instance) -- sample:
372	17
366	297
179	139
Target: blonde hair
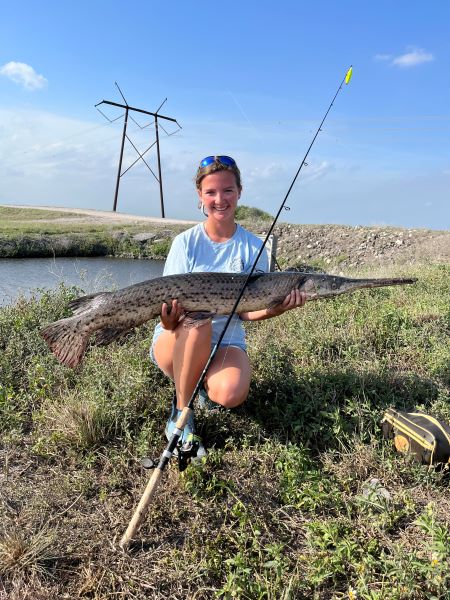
216	167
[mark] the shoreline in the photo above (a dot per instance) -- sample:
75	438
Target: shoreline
27	233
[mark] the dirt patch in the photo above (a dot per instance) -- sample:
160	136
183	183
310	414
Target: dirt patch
354	247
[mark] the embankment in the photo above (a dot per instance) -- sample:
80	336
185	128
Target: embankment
29	232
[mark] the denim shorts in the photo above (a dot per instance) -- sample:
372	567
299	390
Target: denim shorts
234	337
227	345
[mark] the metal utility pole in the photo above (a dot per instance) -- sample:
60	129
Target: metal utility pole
120	159
159	160
156	116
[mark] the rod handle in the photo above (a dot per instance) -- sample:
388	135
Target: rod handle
152	484
141	509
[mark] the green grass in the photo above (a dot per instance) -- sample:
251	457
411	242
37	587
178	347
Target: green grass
279	509
251	213
11	213
20	221
26	233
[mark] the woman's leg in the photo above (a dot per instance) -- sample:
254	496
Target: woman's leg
228	378
182	354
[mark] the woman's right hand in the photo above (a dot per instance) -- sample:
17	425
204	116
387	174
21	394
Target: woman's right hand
170	319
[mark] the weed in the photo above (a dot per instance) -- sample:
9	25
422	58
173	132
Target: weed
256	569
160	249
279	508
302	483
251	213
202	480
24	553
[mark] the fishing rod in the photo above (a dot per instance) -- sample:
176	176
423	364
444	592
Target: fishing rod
153	482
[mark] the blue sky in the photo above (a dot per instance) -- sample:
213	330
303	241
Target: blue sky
247	79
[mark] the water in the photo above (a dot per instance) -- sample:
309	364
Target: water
24	276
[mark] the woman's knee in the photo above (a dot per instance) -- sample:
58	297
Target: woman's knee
228	379
228	395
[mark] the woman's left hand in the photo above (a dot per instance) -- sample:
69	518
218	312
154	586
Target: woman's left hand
293	300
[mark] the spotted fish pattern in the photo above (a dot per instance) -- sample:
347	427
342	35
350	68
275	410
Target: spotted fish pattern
112	314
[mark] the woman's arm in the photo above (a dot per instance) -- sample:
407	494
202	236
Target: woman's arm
293	300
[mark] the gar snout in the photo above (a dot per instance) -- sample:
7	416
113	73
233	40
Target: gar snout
333	285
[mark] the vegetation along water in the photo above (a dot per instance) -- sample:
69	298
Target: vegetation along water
283	506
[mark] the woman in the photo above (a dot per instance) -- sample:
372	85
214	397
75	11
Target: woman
218	244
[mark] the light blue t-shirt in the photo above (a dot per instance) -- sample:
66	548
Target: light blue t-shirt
193	251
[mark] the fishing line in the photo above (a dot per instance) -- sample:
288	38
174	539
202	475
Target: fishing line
229	343
167	454
346	80
243	112
236	323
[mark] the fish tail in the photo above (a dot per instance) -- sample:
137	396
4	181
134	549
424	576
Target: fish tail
85	303
65	341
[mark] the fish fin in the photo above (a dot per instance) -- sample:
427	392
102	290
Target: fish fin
83	303
66	343
275	302
105	336
304	268
197	319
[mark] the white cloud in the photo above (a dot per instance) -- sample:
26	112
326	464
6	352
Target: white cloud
267	171
24	75
52	160
318	171
416	56
382	57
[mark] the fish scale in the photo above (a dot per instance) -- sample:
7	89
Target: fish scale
202	295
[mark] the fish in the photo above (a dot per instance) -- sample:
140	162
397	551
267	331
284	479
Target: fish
110	315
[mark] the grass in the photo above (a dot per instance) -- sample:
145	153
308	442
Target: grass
11	213
20	221
24	554
26	233
250	213
282	508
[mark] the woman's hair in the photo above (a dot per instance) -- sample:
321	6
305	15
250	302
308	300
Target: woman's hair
215	167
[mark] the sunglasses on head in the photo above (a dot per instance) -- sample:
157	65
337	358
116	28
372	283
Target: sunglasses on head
223	160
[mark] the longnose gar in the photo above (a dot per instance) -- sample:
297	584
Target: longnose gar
202	295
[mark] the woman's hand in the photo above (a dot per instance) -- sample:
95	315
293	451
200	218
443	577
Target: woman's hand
293	300
171	318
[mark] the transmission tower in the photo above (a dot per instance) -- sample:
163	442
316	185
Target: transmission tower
156	117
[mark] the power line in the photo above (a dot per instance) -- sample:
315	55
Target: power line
39	153
31	149
156	116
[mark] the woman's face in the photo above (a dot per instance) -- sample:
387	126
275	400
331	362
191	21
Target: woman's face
220	194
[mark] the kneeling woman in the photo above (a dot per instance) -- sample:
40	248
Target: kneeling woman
218	244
